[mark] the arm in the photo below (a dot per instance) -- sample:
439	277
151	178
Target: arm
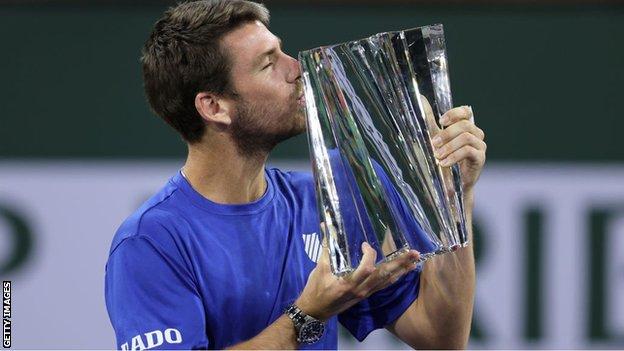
442	315
148	293
326	295
277	336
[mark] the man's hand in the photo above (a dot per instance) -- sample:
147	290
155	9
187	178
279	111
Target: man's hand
326	295
442	314
461	141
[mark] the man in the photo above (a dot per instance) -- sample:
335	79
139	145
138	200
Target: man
216	259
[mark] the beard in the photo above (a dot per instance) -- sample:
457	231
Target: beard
258	127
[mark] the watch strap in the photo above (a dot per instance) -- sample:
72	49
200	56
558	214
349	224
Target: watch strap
299	318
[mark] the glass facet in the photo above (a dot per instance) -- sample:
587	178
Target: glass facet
372	106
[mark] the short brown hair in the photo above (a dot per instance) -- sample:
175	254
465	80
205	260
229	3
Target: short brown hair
183	57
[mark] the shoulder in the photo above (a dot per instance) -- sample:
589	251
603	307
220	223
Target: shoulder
154	220
295	179
294	185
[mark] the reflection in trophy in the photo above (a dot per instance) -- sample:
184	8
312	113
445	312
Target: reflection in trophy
372	107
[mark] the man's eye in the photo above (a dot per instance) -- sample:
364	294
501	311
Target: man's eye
267	65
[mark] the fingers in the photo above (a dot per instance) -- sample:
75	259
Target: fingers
389	272
429	116
367	278
367	265
324	258
323	263
455	115
404	263
466	152
463	139
460	140
457	128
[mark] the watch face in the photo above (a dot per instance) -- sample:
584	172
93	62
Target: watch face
311	332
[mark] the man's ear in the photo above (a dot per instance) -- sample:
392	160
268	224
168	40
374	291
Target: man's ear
214	108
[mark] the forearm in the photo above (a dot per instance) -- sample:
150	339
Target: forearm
279	335
448	288
441	316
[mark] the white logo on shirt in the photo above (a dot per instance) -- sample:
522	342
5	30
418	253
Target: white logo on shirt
153	339
312	246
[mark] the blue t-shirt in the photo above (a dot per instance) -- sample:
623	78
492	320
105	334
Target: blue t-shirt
185	272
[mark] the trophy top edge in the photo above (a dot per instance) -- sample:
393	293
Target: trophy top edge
332	46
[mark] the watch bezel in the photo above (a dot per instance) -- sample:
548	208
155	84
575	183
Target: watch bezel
308	329
311	331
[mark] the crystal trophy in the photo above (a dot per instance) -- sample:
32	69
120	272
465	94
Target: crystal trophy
371	111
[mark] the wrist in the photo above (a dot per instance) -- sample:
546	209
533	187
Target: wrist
308	329
311	309
469	198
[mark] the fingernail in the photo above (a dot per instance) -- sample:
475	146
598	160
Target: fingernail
443	120
445	162
438	152
437	141
471	113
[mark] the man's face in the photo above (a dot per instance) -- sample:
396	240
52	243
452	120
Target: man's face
269	97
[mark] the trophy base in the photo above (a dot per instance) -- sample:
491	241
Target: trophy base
423	256
426	256
395	254
344	273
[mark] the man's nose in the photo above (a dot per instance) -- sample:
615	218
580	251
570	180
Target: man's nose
294	72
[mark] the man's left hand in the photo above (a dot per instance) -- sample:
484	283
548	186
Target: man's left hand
461	141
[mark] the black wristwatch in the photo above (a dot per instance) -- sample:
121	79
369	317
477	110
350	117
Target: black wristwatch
309	329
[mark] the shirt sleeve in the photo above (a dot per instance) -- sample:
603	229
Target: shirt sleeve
387	305
151	299
381	308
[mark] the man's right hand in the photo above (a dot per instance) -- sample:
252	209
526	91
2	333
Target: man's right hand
326	295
